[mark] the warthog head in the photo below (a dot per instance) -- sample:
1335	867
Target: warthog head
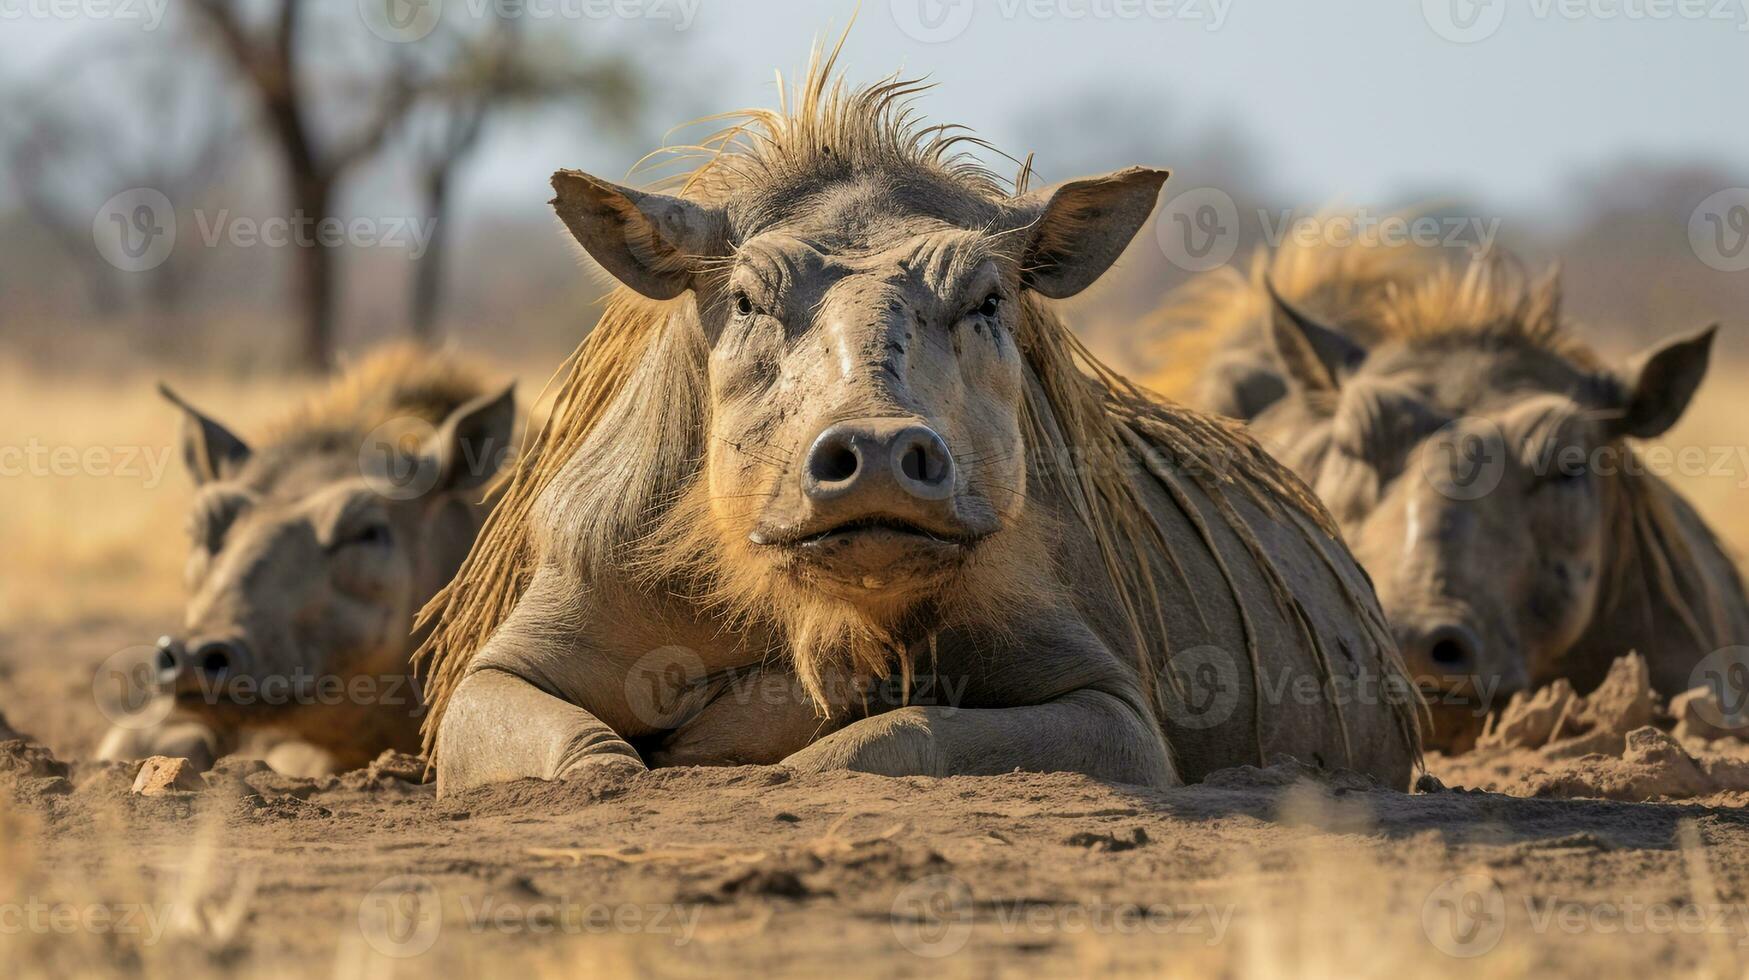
860	372
311	555
1475	460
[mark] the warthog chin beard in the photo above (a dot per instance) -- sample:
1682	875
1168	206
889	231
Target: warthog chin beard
851	601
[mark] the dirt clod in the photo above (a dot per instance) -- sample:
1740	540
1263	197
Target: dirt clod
1108	842
161	776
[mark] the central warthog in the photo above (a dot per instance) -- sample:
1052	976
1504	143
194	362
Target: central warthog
311	553
833	430
1478	458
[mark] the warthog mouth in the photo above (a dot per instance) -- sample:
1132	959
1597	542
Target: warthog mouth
872	528
875	551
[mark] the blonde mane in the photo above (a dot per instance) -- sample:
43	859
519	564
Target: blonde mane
1350	285
1489	300
642	452
392	382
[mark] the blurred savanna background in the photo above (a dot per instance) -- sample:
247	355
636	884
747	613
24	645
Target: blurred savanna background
236	195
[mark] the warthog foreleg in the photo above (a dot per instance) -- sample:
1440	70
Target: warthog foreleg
499	727
1085	731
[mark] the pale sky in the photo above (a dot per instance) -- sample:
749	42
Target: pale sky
1354	100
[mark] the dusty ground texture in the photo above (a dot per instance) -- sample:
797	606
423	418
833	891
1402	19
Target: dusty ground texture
708	872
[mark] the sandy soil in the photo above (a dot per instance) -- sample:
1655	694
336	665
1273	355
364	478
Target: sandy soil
1558	865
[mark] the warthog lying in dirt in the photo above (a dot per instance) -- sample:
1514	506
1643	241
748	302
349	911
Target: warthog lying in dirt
1477	456
833	431
312	551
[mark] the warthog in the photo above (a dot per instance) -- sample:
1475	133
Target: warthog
832	431
1477	456
311	553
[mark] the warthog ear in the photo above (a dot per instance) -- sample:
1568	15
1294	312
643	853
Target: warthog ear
647	241
209	450
1661	381
1079	228
1315	357
473	442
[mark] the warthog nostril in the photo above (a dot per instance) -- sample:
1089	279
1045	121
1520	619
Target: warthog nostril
925	468
834	463
1450	647
216	659
1447	653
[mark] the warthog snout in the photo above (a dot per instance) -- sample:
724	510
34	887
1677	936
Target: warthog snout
878	463
1451	656
202	667
1449	647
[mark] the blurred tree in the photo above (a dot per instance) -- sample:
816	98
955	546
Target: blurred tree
470	75
276	56
115	119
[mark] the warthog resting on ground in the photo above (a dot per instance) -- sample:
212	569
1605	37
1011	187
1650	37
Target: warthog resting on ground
833	428
312	552
1477	457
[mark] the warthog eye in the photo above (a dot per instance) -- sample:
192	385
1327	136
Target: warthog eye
991	304
1567	474
743	305
371	535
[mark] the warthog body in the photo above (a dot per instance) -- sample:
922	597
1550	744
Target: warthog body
830	485
311	553
1477	456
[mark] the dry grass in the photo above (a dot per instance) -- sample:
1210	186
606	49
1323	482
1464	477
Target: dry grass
95	490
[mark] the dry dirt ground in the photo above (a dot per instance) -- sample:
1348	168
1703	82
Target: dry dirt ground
713	872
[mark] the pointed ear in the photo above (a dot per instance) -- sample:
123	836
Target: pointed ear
1078	229
1661	381
1316	357
647	241
209	450
471	445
